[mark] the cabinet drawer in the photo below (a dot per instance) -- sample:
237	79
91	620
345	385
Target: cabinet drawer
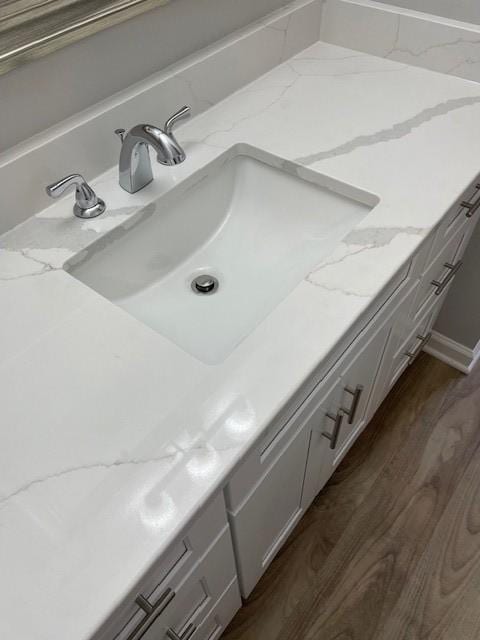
166	574
217	619
193	598
441	272
463	211
263	521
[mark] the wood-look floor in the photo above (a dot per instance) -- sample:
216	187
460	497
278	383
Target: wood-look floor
390	549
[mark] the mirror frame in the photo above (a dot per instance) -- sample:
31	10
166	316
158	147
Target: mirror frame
37	35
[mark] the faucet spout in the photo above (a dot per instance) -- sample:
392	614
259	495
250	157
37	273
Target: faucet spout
135	170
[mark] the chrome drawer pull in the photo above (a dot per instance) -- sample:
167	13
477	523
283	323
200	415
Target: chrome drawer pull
357	394
471	206
423	341
188	633
152	611
453	270
333	437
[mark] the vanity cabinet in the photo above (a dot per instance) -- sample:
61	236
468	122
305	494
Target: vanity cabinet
192	593
278	480
413	323
291	468
194	589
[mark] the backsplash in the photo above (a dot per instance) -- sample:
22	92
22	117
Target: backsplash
466	10
435	43
398	34
86	143
78	76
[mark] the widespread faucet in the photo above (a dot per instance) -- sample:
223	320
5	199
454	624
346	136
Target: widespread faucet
135	169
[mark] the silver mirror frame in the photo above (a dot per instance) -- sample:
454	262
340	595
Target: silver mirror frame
38	35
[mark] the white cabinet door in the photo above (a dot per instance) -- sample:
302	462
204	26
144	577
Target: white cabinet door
325	425
358	379
403	325
264	520
341	414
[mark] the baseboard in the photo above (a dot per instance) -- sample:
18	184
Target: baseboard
452	353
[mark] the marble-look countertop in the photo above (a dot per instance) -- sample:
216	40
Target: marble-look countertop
112	437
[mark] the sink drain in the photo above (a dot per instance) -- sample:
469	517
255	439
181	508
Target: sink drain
204	285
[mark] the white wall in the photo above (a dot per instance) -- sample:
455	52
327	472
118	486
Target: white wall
464	10
42	93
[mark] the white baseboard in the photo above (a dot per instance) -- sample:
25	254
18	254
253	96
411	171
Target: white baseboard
452	353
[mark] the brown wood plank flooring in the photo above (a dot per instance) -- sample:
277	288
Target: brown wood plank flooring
390	549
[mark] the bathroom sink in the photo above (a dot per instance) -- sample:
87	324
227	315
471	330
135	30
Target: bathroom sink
207	267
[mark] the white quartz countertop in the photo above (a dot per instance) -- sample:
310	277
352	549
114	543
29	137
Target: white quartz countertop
112	437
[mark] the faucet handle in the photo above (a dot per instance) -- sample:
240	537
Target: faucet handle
181	113
87	203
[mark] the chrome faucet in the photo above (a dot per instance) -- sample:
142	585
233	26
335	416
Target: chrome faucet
87	203
135	169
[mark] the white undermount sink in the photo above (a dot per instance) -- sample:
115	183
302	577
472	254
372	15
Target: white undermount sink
256	229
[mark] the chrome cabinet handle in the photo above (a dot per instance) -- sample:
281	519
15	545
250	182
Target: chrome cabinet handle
87	203
452	272
152	611
472	207
357	394
188	633
178	115
423	341
337	420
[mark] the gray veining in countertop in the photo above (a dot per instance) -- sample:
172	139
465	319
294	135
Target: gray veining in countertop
114	436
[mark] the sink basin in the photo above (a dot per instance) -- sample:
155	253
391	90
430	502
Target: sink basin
254	229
